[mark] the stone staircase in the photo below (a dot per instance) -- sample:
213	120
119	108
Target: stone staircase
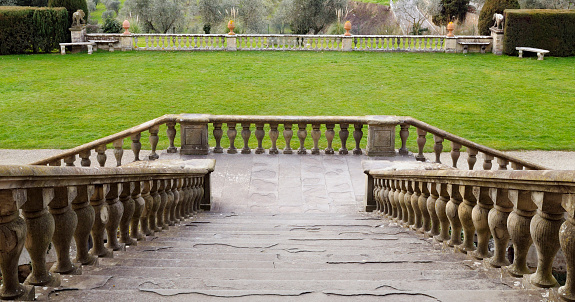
289	257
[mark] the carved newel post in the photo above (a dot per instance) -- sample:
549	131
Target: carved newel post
566	236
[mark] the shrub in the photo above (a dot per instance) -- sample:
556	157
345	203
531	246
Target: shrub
31	29
549	29
112	26
72	6
491	7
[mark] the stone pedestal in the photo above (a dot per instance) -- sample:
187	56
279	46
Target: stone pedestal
450	44
346	43
231	43
78	34
125	42
381	136
194	139
497	35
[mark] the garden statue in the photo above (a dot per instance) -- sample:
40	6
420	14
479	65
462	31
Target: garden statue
78	18
498	21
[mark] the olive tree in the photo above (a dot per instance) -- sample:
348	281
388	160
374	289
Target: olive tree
157	15
307	16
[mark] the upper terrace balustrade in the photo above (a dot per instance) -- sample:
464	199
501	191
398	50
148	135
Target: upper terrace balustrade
59	203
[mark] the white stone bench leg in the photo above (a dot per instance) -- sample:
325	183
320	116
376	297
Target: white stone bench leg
89	49
540	56
62	49
465	48
521	54
483	47
111	47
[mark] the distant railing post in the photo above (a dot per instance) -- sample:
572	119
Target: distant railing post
381	136
231	37
450	39
126	37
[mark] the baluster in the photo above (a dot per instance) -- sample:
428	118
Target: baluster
178	197
455	147
139	205
544	228
274	134
161	223
422	204
85	156
65	222
13	228
260	137
115	211
154	141
171	132
136	145
39	229
302	134
118	151
566	235
382	194
288	134
393	196
487	162
440	210
433	196
246	133
190	197
147	210
85	215
343	135
385	198
466	218
438	147
315	135
480	216
421	140
502	163
70	160
403	217
516	166
170	203
407	200
502	206
452	212
329	135
129	207
218	133
415	206
357	135
376	191
404	134
472	157
232	132
193	195
101	155
154	214
518	225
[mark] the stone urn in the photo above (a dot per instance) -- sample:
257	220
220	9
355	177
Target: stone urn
231	27
450	28
347	27
126	26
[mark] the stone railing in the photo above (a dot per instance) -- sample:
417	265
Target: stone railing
61	203
179	42
524	207
194	138
408	43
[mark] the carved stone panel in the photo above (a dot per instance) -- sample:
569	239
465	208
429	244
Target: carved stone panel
194	139
381	140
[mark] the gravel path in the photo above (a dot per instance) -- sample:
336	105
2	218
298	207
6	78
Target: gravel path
560	160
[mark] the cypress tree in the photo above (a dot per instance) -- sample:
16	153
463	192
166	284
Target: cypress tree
71	6
491	7
451	10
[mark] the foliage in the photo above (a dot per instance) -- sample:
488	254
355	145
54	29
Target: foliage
31	29
72	6
491	7
108	14
211	13
112	26
281	18
252	14
35	3
553	30
451	10
416	13
313	16
91	5
159	16
550	4
113	5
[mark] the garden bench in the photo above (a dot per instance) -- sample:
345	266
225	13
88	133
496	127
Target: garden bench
540	52
89	44
109	42
466	45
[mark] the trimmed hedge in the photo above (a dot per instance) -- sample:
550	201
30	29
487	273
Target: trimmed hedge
72	6
551	29
489	8
32	29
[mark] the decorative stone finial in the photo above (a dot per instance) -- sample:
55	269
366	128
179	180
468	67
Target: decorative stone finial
126	26
450	28
347	27
231	27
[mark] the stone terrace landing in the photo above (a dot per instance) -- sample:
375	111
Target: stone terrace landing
289	228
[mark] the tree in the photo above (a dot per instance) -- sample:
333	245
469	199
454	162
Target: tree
491	7
72	6
549	4
451	10
413	15
113	5
211	13
281	17
313	15
157	15
252	15
38	3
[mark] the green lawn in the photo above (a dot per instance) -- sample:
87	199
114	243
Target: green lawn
383	2
54	101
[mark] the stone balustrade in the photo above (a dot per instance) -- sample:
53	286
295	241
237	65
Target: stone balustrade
405	43
179	42
521	207
43	205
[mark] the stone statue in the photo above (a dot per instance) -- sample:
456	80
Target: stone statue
78	18
498	21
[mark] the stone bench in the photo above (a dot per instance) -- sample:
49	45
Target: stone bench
466	44
109	42
540	52
89	44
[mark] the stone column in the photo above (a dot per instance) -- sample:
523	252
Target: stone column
497	35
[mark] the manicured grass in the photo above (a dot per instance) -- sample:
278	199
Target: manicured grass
382	2
54	101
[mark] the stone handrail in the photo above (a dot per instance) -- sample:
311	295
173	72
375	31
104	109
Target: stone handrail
522	206
61	203
456	144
